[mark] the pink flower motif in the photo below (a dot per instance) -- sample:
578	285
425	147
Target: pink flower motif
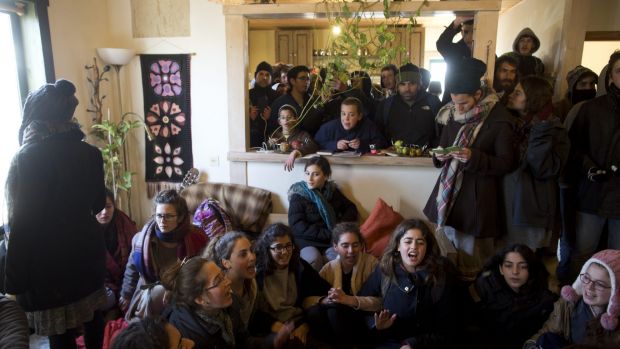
168	160
165	119
166	78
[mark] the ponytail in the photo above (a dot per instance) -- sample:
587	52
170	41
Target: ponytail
184	280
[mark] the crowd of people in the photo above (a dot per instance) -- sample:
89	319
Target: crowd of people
520	171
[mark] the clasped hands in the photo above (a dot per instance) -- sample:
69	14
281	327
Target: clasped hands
344	144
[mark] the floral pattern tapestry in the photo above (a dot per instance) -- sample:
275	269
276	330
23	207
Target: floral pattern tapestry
167	110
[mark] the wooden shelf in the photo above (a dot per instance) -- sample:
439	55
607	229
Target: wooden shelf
365	160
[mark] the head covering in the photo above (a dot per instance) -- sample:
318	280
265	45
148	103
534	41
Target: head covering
264	66
610	260
526	32
577	73
601	87
408	72
425	76
466	76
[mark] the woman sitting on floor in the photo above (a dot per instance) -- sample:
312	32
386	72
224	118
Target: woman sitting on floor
288	283
315	206
418	286
344	324
511	297
165	239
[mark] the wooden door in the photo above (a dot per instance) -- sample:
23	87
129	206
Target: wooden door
294	47
284	46
413	42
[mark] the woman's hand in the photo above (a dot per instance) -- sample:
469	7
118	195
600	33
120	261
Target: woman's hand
443	157
301	333
355	144
383	319
290	161
463	155
337	295
283	334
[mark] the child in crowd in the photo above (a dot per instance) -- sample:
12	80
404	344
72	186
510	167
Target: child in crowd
315	206
351	132
588	311
118	231
512	299
297	140
232	252
418	286
166	238
288	284
200	307
152	332
343	324
523	48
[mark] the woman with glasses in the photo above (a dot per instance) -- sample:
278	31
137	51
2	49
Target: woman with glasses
232	252
418	286
165	239
295	140
589	310
315	206
343	314
510	299
288	283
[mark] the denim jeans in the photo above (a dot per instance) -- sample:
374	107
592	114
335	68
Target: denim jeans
589	229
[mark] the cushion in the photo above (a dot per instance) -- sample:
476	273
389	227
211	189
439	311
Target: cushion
379	226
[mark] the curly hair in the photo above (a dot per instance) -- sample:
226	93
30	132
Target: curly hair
264	262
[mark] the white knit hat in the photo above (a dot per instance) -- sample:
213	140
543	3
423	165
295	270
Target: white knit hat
610	260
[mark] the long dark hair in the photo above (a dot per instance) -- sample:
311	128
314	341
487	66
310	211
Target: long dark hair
538	278
185	281
391	258
147	333
264	262
538	93
322	163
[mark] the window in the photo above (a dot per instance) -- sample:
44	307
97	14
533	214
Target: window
438	72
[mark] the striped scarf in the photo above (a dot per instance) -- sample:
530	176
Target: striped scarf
451	177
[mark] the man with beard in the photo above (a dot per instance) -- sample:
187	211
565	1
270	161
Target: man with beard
261	97
409	115
581	87
505	78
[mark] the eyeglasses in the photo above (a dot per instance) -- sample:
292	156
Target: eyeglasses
281	248
165	217
218	281
598	285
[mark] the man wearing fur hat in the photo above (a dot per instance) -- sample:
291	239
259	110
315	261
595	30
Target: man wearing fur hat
409	115
466	202
587	313
581	87
523	48
261	97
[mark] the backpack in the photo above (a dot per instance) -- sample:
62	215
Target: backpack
212	219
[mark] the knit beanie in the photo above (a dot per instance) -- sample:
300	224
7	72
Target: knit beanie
466	76
264	66
610	260
408	72
574	75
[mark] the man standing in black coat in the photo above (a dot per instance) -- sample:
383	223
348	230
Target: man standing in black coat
261	97
452	52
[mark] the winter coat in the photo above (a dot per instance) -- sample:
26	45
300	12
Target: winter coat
305	220
331	132
478	207
209	336
560	320
332	273
506	318
563	106
532	190
56	251
425	314
14	332
595	142
452	53
413	124
260	97
528	65
125	229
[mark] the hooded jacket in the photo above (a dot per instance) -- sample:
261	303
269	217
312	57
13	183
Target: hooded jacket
563	106
528	65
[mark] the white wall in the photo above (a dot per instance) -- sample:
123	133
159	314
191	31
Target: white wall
80	26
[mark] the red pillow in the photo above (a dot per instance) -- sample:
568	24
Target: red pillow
379	226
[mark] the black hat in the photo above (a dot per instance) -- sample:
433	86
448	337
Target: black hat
264	66
466	76
408	72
